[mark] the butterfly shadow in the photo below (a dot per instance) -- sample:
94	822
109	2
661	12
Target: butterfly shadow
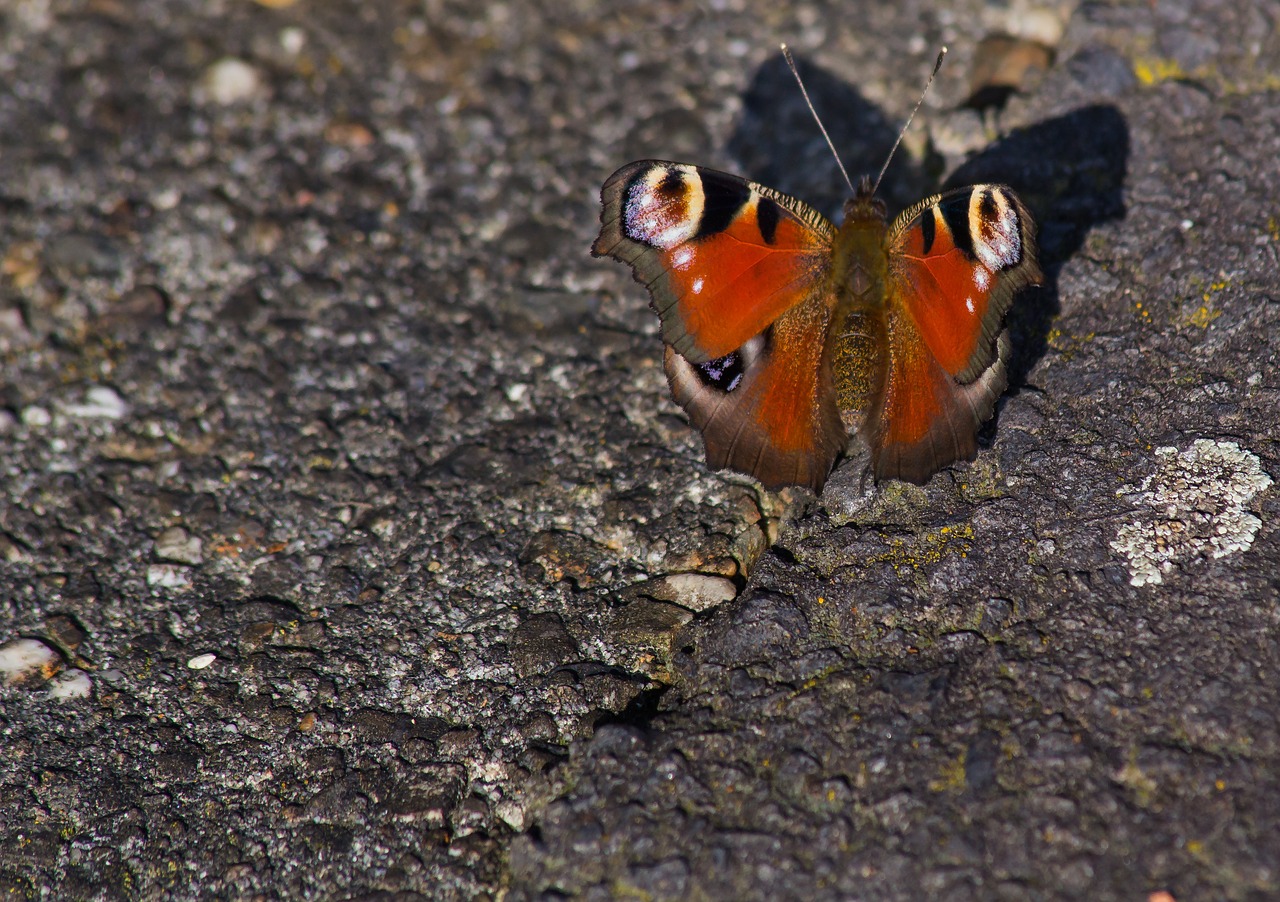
1069	171
778	143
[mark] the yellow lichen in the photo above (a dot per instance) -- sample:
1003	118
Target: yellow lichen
951	777
926	548
1153	70
1203	316
1205	313
1068	345
1133	778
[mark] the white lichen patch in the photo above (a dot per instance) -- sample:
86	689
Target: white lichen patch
1192	506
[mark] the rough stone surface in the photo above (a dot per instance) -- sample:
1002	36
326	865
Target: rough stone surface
305	372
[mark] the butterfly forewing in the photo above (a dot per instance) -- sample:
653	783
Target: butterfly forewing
955	263
722	257
739	276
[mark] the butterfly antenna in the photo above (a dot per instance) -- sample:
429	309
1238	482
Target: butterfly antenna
786	52
885	168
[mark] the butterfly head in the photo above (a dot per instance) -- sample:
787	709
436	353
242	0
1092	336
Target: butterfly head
864	205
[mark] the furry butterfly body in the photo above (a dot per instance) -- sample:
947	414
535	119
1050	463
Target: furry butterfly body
785	333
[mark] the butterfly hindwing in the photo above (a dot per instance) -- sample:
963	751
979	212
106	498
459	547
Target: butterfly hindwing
955	263
722	256
768	408
738	274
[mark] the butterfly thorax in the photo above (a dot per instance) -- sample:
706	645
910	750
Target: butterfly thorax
859	261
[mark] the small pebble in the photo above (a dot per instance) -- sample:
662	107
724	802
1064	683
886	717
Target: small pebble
1043	25
230	80
65	632
71	684
142	302
695	591
349	134
166	199
22	264
168	576
649	622
177	546
101	402
200	662
511	813
36	416
13	325
23	660
292	40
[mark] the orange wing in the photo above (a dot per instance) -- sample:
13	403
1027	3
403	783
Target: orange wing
955	264
739	275
723	257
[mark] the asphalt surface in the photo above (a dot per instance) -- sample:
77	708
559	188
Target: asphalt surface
350	546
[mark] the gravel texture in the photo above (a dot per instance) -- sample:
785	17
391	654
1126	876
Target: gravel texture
350	546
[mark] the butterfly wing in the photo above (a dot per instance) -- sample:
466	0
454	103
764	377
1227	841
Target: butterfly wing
955	263
739	275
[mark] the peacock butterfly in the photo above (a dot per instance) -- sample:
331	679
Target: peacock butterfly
783	332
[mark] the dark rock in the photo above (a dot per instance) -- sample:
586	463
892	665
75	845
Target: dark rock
80	255
1102	71
540	643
